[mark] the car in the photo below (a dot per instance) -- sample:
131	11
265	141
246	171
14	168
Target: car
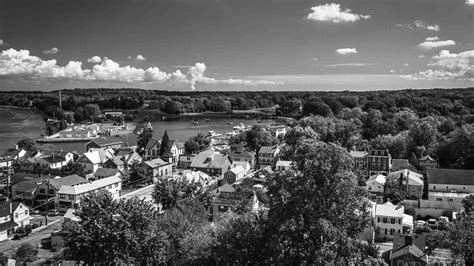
443	219
420	223
35	212
53	212
432	223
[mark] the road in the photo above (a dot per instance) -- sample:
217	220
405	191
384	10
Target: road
142	193
34	238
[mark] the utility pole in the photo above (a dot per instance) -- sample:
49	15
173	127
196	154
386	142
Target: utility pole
47	203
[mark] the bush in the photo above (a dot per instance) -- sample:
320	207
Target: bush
28	228
35	226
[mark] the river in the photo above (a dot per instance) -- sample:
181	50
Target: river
22	123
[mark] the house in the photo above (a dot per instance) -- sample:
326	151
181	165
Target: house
26	190
449	184
15	154
106	172
400	164
92	160
211	162
241	155
53	161
176	149
48	190
78	133
185	160
12	216
414	186
243	164
408	249
123	160
104	143
225	201
284	165
234	174
202	178
70	196
267	156
380	161
156	168
5	162
277	130
388	220
425	162
115	162
376	184
361	159
152	149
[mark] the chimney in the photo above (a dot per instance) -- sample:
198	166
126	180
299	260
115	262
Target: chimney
408	240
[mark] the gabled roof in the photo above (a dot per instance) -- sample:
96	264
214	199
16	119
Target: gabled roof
450	176
8	225
358	154
389	210
105	172
103	142
54	159
377	178
70	180
91	157
426	158
151	144
116	160
12	152
240	153
210	159
237	170
88	187
409	249
413	177
267	149
26	186
155	163
5	207
284	163
231	198
398	164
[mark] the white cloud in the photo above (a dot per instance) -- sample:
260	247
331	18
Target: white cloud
435	42
421	56
392	71
314	59
470	2
94	59
333	13
53	50
345	51
448	66
419	24
423	25
20	64
406	64
140	57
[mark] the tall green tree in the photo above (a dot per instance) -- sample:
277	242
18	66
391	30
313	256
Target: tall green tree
143	138
115	231
165	144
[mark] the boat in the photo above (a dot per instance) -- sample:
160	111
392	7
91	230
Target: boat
207	119
195	122
230	122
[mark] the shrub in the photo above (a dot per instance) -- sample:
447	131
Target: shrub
28	228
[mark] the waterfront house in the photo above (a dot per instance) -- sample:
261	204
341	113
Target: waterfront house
104	143
69	196
267	156
12	216
211	162
388	220
449	184
156	168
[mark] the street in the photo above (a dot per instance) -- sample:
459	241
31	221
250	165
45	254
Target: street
54	223
142	193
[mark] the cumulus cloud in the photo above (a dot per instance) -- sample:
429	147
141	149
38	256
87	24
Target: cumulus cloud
435	42
53	50
421	56
470	2
333	13
446	65
20	64
345	51
94	59
419	24
140	57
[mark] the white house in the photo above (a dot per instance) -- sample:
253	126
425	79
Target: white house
70	196
283	165
376	183
234	174
93	159
388	220
12	216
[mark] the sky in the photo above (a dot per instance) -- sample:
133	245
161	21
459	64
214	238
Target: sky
236	44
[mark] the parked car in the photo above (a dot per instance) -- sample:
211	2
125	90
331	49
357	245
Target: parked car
53	212
433	223
420	223
443	219
35	212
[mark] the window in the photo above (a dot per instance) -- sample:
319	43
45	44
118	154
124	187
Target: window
399	221
447	188
451	199
434	187
16	215
370	188
392	221
378	219
385	220
385	230
26	212
392	231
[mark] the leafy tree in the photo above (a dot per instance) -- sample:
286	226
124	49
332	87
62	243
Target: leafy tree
317	211
79	114
254	138
196	144
62	124
134	171
468	203
91	111
27	144
289	108
165	144
72	168
170	191
457	149
173	107
461	240
115	230
316	107
26	253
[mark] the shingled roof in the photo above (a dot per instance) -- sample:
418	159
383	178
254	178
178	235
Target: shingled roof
70	180
450	176
5	207
209	159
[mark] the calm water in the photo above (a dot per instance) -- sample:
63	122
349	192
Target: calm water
16	124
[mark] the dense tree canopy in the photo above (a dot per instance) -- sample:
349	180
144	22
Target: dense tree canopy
196	144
